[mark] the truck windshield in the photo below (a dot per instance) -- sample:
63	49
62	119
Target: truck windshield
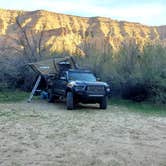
80	76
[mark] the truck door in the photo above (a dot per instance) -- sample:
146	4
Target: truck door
62	82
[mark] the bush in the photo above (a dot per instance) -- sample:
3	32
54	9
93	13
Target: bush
15	74
132	74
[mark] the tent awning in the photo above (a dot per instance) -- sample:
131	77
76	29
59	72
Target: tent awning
51	66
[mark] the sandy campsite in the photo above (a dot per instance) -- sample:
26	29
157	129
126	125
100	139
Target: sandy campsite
39	133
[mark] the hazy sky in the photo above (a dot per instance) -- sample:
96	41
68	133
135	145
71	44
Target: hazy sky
150	12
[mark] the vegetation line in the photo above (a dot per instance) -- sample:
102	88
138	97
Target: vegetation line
142	107
13	96
9	96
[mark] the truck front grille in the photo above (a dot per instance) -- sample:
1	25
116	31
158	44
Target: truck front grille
95	89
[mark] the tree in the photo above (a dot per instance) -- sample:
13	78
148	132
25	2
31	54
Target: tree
18	50
28	43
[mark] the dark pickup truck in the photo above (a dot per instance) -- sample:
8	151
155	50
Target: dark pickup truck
76	86
65	80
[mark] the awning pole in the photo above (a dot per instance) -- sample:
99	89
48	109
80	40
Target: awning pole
34	89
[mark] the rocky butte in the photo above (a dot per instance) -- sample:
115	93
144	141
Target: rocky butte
75	35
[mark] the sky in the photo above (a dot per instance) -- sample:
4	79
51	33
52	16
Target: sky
148	12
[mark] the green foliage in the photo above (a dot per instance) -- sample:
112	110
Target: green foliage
12	96
143	107
131	73
153	68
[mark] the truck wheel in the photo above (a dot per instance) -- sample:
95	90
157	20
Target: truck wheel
50	97
70	101
103	103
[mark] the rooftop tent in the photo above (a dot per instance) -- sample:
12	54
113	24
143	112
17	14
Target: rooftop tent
50	67
53	66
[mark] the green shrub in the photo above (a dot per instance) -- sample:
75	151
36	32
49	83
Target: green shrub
132	74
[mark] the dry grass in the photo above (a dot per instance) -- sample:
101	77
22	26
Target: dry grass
39	133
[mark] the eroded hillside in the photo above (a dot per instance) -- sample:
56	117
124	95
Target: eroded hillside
77	34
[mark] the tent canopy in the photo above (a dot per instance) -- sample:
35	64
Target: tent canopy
52	66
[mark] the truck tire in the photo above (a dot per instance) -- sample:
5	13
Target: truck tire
50	97
103	103
70	101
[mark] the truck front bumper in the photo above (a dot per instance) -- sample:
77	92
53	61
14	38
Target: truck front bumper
88	97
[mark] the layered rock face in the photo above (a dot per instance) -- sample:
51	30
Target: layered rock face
75	35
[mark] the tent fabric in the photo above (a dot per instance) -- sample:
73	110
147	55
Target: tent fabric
51	66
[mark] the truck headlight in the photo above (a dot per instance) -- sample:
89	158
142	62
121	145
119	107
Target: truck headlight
79	88
108	89
71	84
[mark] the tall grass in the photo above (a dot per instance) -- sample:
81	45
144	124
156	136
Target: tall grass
12	96
146	108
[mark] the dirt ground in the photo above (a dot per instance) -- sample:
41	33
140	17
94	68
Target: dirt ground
45	134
